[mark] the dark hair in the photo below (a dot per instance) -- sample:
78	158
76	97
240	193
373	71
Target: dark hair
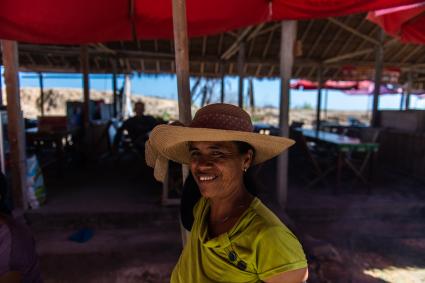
191	193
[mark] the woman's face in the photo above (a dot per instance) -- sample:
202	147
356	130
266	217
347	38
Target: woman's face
218	167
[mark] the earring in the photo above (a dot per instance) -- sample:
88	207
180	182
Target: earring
245	169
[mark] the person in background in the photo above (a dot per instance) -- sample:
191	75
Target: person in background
18	257
137	128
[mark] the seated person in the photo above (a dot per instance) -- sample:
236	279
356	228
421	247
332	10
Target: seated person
18	258
137	127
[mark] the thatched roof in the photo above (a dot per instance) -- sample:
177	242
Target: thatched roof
330	43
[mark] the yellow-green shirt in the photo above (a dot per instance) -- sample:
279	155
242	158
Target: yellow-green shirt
256	248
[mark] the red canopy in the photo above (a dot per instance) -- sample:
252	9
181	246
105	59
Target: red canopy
85	21
405	22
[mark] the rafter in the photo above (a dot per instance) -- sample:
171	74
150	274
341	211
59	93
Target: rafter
318	39
353	31
268	42
411	54
235	46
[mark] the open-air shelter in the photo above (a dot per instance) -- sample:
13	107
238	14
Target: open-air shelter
244	39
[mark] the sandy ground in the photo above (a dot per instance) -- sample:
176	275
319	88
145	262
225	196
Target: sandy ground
55	103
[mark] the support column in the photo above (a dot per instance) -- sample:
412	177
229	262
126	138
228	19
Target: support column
288	36
1	90
40	78
319	96
16	129
114	90
251	96
222	94
84	57
379	62
181	48
241	64
408	89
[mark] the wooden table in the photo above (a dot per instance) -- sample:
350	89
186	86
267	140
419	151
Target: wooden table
57	140
344	146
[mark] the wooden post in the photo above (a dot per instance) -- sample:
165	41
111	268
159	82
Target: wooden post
251	96
40	78
222	94
1	89
408	89
287	41
402	99
181	48
241	63
379	63
326	104
114	90
15	124
319	97
84	58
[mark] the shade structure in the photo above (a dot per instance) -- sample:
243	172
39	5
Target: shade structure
348	87
405	22
81	21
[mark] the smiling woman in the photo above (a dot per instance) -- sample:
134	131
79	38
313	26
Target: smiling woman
234	236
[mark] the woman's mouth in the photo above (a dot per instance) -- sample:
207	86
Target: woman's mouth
206	178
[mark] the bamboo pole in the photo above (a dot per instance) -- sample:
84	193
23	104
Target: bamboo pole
181	48
288	37
84	57
241	63
40	78
379	61
15	124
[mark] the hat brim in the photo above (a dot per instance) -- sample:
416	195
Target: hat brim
172	141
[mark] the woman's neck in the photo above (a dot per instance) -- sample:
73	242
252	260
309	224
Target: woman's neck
230	206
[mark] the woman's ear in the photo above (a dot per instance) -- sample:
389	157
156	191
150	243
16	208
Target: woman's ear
248	159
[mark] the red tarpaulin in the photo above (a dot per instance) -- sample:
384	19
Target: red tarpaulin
405	22
82	21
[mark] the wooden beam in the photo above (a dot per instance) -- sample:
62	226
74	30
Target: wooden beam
84	57
40	79
353	31
288	37
411	54
357	53
241	63
16	129
318	39
1	90
182	60
378	77
234	47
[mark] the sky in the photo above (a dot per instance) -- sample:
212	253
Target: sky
266	91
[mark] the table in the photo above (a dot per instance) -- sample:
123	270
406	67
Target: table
55	139
344	145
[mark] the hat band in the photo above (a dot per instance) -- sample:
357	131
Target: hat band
221	121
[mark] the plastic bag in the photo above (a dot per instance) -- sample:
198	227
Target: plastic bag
36	191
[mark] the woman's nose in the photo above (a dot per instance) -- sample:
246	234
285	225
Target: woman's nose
204	162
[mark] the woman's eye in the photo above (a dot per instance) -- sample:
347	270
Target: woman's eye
217	154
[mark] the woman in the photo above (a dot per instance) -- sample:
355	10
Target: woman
234	237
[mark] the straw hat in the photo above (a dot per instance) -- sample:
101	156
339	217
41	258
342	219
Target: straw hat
214	122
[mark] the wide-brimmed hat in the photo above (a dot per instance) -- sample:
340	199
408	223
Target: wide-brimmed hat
214	122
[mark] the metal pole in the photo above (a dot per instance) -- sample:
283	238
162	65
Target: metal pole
288	36
409	89
15	124
222	83
40	78
241	63
319	97
379	62
114	90
84	57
